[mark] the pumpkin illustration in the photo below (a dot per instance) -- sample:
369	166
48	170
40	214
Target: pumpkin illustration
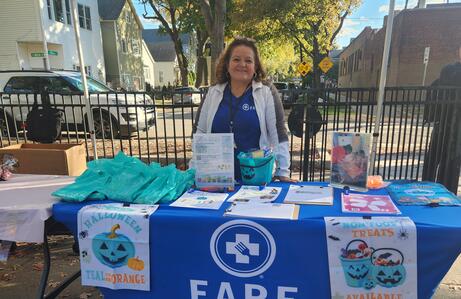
136	264
112	249
388	270
248	173
355	261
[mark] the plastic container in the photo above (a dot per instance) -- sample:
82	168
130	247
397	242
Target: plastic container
256	171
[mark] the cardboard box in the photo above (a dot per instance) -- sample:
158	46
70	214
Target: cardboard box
59	159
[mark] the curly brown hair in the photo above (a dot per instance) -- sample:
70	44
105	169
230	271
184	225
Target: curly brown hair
222	73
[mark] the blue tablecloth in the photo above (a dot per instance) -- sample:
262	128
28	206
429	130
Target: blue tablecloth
182	265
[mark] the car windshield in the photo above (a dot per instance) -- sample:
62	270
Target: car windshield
93	85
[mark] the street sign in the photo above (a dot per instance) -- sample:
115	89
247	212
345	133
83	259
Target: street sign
426	55
325	64
41	54
304	68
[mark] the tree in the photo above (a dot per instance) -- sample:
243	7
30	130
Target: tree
214	13
172	15
312	25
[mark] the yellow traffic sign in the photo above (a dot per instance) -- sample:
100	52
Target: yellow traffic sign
325	64
304	68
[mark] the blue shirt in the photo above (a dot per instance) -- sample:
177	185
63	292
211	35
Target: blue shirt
245	122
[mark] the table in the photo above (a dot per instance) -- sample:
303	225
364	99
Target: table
182	264
25	209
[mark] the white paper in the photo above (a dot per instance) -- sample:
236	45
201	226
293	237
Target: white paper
372	258
262	210
254	194
213	160
200	200
320	195
114	245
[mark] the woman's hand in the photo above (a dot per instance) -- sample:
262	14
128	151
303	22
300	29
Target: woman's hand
284	179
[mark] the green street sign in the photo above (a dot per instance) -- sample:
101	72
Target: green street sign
41	54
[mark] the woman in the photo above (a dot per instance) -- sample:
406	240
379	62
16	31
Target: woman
242	104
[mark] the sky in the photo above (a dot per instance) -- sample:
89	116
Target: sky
370	13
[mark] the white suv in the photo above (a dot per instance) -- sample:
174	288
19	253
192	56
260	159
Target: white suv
115	114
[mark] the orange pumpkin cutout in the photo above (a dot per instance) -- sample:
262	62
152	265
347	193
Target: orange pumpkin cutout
136	264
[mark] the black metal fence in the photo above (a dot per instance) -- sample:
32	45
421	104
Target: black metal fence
158	127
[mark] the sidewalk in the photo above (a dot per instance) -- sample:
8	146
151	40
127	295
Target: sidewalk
20	276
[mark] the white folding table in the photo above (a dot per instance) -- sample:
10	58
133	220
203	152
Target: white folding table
25	207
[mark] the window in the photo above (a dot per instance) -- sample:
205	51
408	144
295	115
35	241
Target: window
48	5
88	18
58	85
68	14
128	17
160	77
58	11
23	85
124	46
81	16
88	70
84	17
146	72
135	47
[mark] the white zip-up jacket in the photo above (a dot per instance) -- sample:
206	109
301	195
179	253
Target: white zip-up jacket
271	116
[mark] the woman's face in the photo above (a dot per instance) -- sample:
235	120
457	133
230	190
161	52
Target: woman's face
242	64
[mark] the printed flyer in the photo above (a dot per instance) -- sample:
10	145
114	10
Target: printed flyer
372	258
349	160
114	245
368	204
213	160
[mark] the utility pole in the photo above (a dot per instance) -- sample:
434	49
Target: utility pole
382	83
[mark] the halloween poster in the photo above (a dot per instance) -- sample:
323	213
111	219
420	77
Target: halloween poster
349	159
372	258
114	245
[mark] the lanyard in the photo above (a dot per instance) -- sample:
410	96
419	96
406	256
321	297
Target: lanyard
231	107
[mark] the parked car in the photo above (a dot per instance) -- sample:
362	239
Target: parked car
286	92
121	114
186	95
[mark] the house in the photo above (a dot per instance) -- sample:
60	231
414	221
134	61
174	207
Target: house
149	67
122	42
22	37
166	63
435	26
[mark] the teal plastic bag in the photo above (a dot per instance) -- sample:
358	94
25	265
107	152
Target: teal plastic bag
128	179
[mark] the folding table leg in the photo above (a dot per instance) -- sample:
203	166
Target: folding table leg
46	271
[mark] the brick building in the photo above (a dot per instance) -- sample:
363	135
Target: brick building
436	26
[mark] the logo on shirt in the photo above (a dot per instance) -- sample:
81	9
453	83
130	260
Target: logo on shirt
247	107
242	248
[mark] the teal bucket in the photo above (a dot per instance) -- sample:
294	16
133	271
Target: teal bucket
256	171
356	270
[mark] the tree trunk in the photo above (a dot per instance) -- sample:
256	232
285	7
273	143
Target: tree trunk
182	60
215	23
316	72
201	60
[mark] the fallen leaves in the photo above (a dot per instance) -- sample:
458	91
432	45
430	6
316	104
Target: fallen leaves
38	266
85	295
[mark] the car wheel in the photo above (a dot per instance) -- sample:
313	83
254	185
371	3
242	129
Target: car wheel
105	126
6	124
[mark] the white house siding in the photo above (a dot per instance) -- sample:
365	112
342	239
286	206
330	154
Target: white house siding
166	72
19	22
149	65
20	37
